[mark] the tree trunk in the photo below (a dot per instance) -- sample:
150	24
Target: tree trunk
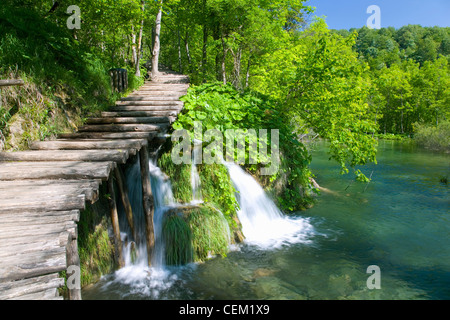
180	63
156	47
133	47
205	40
139	43
247	75
237	69
188	53
224	56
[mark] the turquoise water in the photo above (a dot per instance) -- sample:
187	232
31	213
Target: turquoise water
399	222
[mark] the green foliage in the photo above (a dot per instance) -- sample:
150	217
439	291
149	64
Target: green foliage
194	234
94	246
222	107
218	190
433	137
178	240
181	177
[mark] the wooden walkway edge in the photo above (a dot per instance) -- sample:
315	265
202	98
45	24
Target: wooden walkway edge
44	189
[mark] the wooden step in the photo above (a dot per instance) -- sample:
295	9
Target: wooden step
176	108
149	97
119	156
156	103
33	264
90	188
155	98
123	128
110	135
55	170
111	120
111	114
60	203
88	144
34	288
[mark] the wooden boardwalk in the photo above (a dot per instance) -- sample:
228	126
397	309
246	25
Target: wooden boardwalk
43	190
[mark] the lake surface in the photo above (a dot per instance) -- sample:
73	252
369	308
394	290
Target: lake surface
399	222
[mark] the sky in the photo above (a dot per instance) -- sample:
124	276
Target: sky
346	14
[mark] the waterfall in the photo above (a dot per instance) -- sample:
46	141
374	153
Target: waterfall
263	224
195	179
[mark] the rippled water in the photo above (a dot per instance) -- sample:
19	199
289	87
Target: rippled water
400	222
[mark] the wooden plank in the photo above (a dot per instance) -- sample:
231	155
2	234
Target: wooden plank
33	264
90	188
62	237
159	87
12	82
55	170
123	128
49	294
120	156
110	135
160	103
88	144
61	203
150	98
176	108
22	288
142	120
169	114
24	216
15	230
149	92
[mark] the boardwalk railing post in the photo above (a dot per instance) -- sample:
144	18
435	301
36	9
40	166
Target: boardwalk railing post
119	79
147	199
73	260
115	221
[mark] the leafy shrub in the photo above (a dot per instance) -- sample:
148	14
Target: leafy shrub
433	137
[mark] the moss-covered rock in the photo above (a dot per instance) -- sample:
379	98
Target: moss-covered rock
194	233
95	245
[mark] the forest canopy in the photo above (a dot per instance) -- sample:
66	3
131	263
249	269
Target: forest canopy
347	86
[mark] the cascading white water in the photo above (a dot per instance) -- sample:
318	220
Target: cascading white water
136	273
195	178
263	224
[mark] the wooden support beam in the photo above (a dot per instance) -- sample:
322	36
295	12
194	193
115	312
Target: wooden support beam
147	201
13	82
115	222
123	189
73	262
